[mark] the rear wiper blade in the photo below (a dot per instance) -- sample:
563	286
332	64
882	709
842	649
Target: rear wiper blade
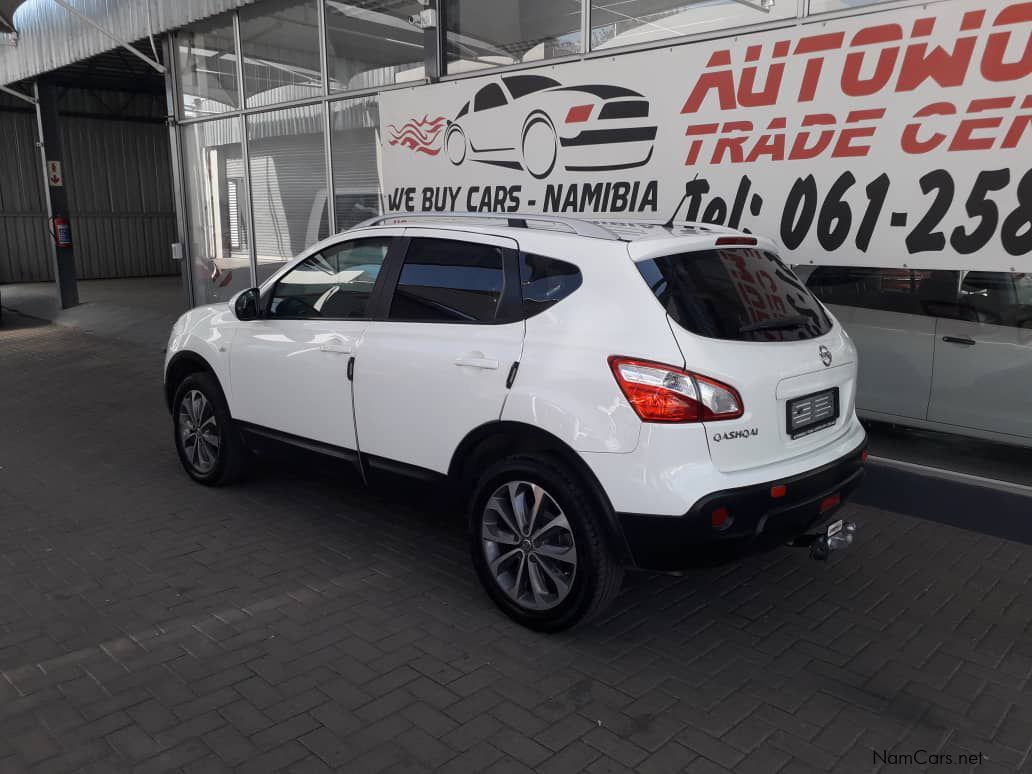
770	325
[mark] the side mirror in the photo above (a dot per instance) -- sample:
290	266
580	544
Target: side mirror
246	306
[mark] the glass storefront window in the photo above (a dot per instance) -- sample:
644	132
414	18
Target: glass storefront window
288	183
371	43
280	42
216	209
355	141
489	33
206	65
628	22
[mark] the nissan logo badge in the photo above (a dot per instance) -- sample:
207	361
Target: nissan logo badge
825	355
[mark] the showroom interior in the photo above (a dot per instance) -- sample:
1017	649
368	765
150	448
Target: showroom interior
204	144
265	102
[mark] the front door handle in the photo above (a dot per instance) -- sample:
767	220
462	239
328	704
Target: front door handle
336	345
959	340
477	361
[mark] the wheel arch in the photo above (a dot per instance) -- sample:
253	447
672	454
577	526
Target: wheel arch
180	366
493	441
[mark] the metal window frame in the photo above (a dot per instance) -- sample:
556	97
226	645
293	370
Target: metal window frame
335	96
802	17
328	98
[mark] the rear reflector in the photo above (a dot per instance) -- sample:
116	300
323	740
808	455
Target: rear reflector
831	501
736	241
720	518
579	114
778	491
864	455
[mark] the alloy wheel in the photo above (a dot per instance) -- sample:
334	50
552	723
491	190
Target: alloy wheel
529	546
199	432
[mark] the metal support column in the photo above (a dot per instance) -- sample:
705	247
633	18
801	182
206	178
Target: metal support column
327	125
252	248
433	50
49	128
183	254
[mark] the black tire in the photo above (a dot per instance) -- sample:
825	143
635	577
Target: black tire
232	458
598	575
535	118
455	131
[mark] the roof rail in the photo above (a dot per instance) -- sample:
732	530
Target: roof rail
512	219
692	224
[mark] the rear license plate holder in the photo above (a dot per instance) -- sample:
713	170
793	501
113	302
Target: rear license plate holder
811	413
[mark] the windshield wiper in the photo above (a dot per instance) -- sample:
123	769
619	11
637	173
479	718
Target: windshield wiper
771	325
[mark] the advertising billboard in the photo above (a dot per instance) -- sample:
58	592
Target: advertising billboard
894	138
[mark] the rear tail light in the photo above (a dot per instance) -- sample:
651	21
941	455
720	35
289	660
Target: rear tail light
663	393
579	114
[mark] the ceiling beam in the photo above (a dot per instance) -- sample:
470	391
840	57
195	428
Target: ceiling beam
124	44
18	94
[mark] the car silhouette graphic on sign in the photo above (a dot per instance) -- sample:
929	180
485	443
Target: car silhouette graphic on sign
535	123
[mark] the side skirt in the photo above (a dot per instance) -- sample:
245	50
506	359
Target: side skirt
258	435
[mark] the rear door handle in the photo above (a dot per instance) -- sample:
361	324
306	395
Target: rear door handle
959	340
336	345
477	362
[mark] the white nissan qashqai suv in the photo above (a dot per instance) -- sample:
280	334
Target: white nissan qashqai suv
603	395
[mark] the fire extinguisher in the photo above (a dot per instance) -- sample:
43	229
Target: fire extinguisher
62	231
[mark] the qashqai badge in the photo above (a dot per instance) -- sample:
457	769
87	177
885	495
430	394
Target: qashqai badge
825	354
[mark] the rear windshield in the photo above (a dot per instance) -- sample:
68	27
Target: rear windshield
739	294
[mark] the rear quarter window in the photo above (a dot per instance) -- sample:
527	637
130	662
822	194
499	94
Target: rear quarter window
737	294
545	282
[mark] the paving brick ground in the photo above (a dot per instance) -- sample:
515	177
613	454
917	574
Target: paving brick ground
299	623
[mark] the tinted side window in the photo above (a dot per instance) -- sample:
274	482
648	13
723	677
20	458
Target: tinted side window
545	282
907	291
488	97
335	283
449	281
522	85
998	298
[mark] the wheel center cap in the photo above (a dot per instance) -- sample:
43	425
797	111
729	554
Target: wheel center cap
527	546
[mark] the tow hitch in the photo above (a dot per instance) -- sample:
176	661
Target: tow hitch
838	535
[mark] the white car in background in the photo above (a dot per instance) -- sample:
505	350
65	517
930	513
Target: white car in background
939	350
602	396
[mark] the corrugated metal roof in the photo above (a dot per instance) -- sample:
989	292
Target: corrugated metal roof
50	37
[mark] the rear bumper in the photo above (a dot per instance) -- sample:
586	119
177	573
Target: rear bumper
757	520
